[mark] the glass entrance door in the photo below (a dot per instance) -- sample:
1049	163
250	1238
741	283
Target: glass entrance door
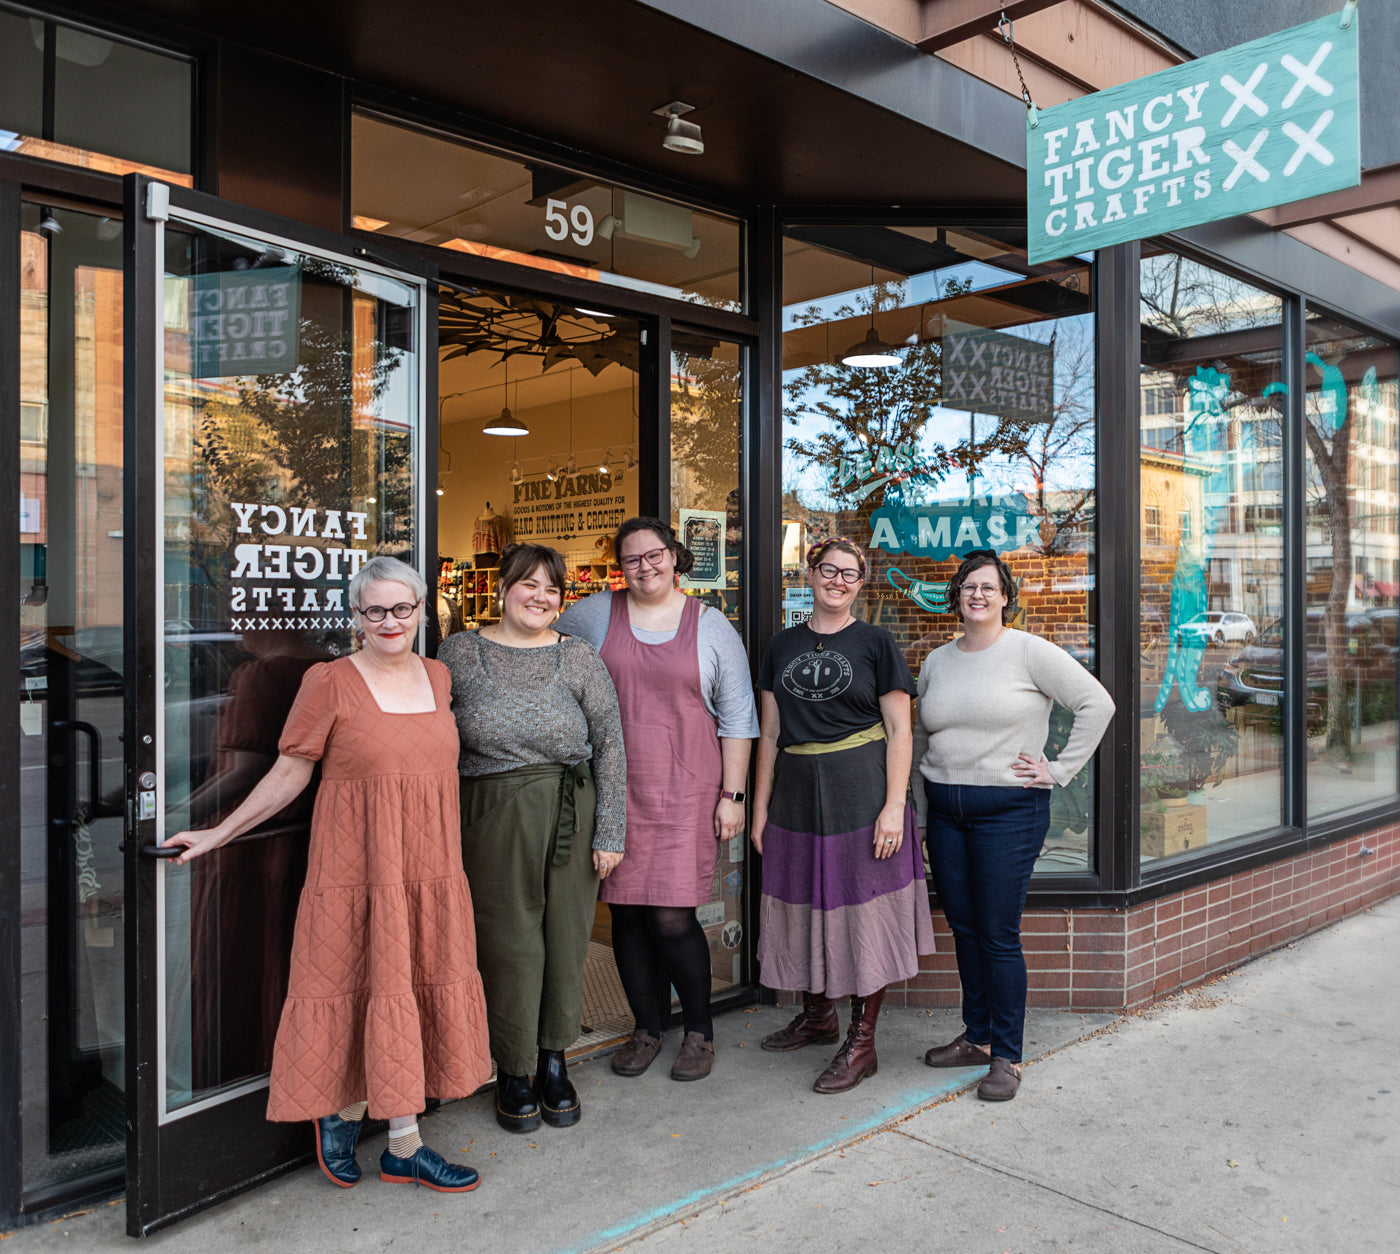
275	405
71	637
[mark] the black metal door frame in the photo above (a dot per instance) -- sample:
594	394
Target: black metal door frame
196	1159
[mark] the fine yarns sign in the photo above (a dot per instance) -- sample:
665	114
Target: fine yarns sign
244	321
1266	123
988	372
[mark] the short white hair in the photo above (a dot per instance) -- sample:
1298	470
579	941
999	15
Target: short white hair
387	570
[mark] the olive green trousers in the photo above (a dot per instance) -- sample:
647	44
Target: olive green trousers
527	845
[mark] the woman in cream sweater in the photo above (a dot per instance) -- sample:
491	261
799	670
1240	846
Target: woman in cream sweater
983	716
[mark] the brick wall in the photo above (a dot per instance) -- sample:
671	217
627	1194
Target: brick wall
1124	959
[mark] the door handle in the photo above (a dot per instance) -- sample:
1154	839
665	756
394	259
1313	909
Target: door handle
96	808
162	851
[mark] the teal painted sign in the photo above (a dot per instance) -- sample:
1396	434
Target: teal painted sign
954	528
1267	123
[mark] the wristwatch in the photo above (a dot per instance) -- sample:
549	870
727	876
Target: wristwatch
732	796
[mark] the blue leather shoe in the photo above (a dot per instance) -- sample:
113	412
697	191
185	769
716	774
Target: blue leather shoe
428	1169
336	1139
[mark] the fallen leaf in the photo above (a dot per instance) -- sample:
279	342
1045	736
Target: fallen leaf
1230	1162
675	1136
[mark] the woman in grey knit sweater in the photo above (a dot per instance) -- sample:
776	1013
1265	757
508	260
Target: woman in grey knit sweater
979	743
544	816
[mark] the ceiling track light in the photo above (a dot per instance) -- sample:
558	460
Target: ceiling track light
682	137
605	466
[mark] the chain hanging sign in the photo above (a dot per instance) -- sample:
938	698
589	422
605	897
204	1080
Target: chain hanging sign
1266	123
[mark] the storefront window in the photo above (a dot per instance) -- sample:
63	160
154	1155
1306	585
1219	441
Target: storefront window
72	95
1211	470
979	434
434	190
1353	589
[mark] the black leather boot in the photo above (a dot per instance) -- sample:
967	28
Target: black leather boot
559	1104
516	1107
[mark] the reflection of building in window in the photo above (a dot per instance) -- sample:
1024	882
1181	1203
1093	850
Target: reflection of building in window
1151	525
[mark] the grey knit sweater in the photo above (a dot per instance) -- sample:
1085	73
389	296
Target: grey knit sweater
523	707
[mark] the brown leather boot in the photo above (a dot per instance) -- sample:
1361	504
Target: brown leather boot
856	1058
816	1025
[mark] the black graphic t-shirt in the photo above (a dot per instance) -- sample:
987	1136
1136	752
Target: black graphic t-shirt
828	687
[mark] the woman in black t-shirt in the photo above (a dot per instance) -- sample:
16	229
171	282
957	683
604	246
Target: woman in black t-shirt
845	908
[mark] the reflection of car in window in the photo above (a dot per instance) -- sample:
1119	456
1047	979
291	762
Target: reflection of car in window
1217	627
1254	676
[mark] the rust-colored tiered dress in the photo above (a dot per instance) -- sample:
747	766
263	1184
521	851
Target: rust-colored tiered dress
384	1000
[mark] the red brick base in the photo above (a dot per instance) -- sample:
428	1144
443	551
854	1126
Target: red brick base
1124	959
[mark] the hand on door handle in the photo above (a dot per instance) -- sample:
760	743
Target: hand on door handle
162	851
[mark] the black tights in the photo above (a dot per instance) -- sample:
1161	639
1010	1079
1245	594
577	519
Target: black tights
659	945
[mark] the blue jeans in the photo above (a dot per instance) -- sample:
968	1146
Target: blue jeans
982	847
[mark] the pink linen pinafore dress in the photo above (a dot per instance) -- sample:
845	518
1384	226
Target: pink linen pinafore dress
674	769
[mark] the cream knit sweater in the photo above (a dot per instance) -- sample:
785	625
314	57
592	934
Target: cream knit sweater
978	711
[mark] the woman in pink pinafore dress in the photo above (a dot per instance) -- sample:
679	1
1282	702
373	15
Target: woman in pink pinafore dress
688	719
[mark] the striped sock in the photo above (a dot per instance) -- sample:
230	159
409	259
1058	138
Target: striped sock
405	1142
354	1112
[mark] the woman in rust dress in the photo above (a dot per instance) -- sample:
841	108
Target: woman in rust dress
384	1007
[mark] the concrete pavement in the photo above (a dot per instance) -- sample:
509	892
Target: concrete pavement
1253	1115
1256	1114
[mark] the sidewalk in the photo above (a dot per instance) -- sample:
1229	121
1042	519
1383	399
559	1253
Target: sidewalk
1254	1115
1257	1114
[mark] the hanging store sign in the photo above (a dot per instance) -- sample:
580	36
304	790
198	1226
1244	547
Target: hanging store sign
1270	122
244	322
987	372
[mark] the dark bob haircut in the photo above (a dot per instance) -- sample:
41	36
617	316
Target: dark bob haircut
685	559
520	561
980	559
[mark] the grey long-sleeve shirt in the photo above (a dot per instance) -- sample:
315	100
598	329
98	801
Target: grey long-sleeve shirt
524	707
724	666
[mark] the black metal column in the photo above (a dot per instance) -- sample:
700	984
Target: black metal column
1117	582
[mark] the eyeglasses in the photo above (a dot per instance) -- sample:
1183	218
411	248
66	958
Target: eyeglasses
376	613
986	589
653	557
847	574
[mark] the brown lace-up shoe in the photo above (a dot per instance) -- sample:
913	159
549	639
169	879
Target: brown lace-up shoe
1002	1081
696	1058
958	1053
816	1025
856	1058
637	1054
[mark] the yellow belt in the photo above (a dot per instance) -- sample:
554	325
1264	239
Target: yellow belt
869	736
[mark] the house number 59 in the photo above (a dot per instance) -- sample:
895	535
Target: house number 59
557	226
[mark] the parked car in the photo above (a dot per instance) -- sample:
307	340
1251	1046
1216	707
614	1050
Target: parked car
1254	676
1217	627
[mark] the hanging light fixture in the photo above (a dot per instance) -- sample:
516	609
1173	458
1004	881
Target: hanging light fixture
683	137
603	466
507	423
872	351
552	473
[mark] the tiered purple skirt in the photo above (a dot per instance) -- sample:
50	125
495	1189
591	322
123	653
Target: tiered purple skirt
834	918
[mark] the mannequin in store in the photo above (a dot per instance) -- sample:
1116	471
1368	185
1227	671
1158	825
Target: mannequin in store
489	535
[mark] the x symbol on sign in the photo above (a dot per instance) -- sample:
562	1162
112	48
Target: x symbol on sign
1307	143
1244	95
1244	159
1305	74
